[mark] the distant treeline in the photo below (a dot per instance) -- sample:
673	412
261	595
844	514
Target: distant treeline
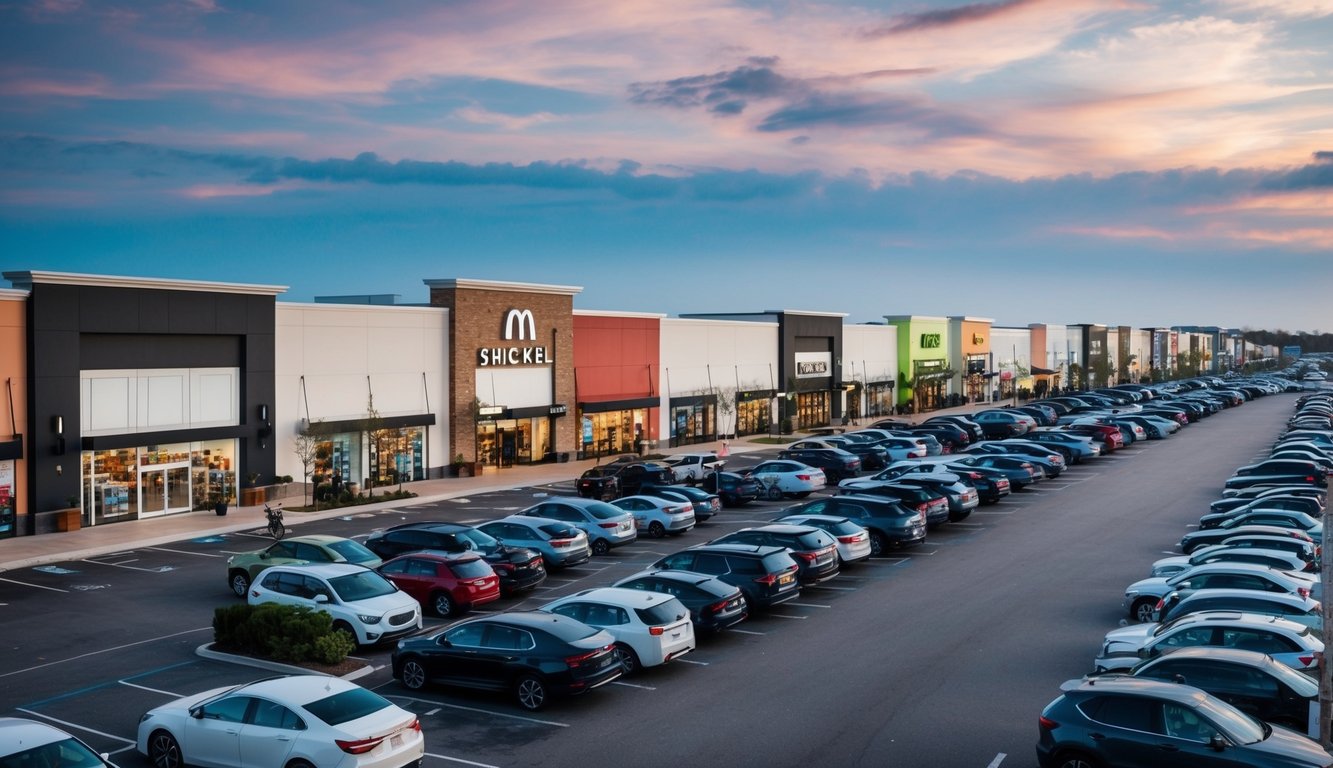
1308	342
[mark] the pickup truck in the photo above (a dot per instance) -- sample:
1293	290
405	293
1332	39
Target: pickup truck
692	468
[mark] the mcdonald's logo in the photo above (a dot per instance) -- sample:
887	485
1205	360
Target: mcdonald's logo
527	328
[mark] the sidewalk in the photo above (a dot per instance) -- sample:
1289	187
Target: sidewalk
30	551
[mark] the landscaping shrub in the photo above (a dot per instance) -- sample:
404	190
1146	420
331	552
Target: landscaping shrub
280	632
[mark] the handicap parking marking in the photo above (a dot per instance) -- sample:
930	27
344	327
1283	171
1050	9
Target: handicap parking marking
53	569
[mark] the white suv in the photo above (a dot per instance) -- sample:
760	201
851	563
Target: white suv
361	602
694	467
650	628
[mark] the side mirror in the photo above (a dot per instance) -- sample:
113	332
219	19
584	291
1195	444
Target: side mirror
443	642
197	713
322	598
1217	742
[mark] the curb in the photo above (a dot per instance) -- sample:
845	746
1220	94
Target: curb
204	651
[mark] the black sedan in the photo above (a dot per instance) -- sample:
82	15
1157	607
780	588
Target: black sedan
733	489
599	483
714	604
533	655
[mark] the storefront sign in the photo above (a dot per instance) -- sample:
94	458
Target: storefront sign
6	499
811	365
587	431
978	339
519	325
491	410
930	341
559	410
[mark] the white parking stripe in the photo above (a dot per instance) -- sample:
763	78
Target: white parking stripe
184	552
474	709
999	758
460	760
68	724
105	650
747	632
632	685
809	605
785	616
150	690
689	661
835	589
36	586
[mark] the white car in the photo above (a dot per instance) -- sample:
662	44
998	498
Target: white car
26	743
853	540
301	720
650	628
658	516
1221	553
692	468
1286	641
361	602
1142	596
787	477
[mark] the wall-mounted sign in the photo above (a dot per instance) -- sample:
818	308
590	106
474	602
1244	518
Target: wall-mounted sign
491	410
559	410
812	369
587	430
518	325
813	365
930	341
978	339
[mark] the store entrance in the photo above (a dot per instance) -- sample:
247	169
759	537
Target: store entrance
164	489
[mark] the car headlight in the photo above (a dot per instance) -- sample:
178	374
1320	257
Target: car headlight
367	619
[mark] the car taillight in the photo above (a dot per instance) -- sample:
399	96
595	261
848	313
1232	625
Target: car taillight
1047	723
1303	591
1161	603
719	606
562	542
802	477
656	631
1306	658
358	746
575	662
809	557
768	579
850	539
502	567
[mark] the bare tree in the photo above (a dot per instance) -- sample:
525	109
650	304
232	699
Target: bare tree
376	435
305	447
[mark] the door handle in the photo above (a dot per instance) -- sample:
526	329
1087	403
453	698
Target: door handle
1168	747
284	738
1096	736
231	732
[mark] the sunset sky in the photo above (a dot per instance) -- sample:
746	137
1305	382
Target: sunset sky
1063	161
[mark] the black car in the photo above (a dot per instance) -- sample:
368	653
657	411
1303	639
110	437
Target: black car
1310	505
1101	720
766	575
705	503
1247	680
633	477
933	506
520	569
815	551
714	604
951	436
973	429
872	456
599	483
734	489
889	522
534	655
836	463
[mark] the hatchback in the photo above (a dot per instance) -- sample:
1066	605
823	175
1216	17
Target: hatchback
1195	539
598	483
364	604
658	516
853	540
242	568
1220	553
814	550
1141	597
313	720
606	526
962	497
1302	610
1001	424
781	477
705	504
732	488
714	605
532	655
887	521
650	628
561	544
1102	720
30	744
520	569
932	505
446	583
766	575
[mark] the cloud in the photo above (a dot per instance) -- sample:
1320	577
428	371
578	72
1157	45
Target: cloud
726	92
1323	156
949	17
1290	8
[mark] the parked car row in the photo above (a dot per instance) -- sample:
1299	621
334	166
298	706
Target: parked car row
1216	668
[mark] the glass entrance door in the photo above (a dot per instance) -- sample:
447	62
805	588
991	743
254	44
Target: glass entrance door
163	489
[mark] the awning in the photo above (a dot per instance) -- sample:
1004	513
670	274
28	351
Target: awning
1039	371
621	405
342	426
11	449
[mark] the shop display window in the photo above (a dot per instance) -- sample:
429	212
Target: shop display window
132	483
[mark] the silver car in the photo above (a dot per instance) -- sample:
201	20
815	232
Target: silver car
560	543
1142	596
606	526
658	516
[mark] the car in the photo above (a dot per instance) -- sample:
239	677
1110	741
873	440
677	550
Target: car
714	605
1276	489
932	505
813	549
1220	553
705	503
532	655
1016	469
27	743
1101	720
1142	596
1051	458
598	483
447	583
1310	505
650	628
1219	535
692	468
658	516
872	455
1080	447
974	429
888	522
1108	436
991	484
962	497
836	463
1286	641
1287	453
781	477
1247	680
732	488
291	720
853	541
520	569
606	526
766	575
1001	424
951	436
1266	513
363	604
1303	548
561	544
926	443
900	448
1302	610
242	568
632	477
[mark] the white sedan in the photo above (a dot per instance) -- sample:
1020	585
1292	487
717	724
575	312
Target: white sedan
783	477
650	628
301	720
658	516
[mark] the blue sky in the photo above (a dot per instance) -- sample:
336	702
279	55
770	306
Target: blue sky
1063	161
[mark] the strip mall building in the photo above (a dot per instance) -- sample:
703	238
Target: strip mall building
132	398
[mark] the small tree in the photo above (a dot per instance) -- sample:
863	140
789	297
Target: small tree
726	407
376	435
305	448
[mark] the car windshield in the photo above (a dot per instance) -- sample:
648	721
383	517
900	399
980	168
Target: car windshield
479	539
1242	728
470	569
347	706
353	552
361	586
814	540
556	531
68	753
603	511
664	612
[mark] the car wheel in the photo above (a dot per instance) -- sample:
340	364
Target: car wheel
1075	760
878	544
628	659
414	675
345	628
1142	609
729	501
656	529
774	493
299	764
240	583
531	693
441	604
164	751
601	547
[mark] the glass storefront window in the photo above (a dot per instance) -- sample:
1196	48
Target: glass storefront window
752	417
396	454
337	457
879	400
507	442
134	483
616	431
812	409
692	424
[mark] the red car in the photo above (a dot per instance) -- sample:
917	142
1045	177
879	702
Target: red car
1107	435
445	583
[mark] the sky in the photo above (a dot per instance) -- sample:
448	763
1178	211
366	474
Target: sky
1125	162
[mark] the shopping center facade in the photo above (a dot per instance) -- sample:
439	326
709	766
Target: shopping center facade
130	398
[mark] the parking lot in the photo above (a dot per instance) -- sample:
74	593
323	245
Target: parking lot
942	654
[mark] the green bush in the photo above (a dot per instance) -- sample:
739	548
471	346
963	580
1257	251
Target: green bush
285	633
332	648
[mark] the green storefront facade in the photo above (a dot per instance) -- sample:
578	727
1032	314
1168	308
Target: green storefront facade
923	361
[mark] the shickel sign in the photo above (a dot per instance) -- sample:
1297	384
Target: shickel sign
519	325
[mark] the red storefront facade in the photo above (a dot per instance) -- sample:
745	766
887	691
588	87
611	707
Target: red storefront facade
617	369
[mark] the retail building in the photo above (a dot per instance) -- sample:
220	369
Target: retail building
718	372
923	361
618	382
14	416
869	369
970	357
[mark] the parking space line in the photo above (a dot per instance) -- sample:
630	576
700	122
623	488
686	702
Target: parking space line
835	589
747	632
107	650
633	685
183	552
460	760
68	724
689	661
478	710
36	586
150	690
785	616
